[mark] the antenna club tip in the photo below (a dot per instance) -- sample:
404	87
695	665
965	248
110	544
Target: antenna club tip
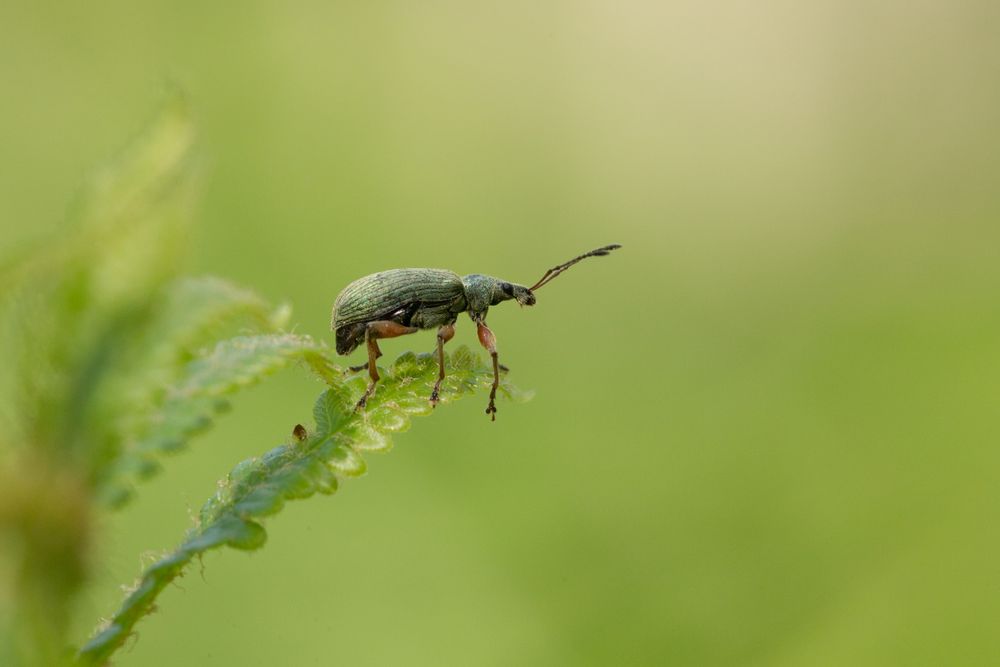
556	270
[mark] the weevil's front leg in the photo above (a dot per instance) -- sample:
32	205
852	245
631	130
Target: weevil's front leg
489	341
445	334
374	331
364	366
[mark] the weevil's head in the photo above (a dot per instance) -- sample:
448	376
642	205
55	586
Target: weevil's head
524	296
481	292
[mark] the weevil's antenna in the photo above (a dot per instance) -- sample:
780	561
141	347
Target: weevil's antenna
556	270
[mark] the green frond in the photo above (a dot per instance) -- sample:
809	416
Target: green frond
191	403
331	452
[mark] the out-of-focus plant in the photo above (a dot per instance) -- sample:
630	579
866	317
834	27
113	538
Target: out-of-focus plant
114	361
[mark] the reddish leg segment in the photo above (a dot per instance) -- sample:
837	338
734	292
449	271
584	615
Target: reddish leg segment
489	341
445	334
374	331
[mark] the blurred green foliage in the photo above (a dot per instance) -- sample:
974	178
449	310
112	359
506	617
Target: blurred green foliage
132	369
94	334
78	312
765	436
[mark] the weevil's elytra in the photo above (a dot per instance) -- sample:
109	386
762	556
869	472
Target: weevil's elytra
403	301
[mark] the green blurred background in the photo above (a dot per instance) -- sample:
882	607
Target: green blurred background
765	432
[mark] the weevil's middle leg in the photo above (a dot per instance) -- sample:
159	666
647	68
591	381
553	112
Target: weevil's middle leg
445	334
374	331
489	341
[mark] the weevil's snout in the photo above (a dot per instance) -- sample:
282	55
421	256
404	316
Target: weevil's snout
505	291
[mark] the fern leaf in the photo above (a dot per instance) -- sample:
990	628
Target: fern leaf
195	308
192	403
259	487
190	312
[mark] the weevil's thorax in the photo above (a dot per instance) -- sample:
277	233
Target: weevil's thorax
478	294
481	292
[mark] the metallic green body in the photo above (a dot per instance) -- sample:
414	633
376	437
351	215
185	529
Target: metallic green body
401	301
422	298
426	299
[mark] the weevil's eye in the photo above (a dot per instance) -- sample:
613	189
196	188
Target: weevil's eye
507	289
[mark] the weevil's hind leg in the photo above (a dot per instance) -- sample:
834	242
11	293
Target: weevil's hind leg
445	334
374	331
489	341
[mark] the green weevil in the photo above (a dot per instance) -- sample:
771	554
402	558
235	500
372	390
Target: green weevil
402	301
